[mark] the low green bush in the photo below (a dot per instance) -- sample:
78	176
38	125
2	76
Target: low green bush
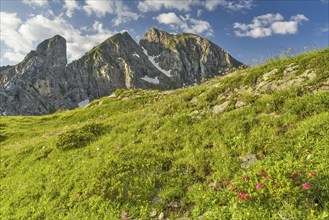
81	137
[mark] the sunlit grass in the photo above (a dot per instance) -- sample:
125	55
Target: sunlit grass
141	151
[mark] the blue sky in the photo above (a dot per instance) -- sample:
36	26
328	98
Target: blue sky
249	30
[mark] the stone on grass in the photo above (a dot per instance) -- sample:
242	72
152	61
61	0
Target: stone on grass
248	160
220	108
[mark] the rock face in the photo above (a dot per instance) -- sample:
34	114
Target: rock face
188	58
32	87
43	82
117	63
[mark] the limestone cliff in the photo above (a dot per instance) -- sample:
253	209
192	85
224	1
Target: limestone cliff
43	82
32	87
188	57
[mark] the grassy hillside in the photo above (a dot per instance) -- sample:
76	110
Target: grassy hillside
251	145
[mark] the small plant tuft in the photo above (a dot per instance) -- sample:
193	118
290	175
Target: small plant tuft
78	138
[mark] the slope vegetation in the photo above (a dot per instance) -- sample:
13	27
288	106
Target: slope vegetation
253	144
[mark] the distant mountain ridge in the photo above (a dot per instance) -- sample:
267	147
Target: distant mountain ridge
44	82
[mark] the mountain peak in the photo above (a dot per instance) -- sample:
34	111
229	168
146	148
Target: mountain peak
155	30
121	36
53	50
161	60
154	34
51	43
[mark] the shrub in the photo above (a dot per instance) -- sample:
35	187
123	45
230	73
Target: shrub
309	104
81	137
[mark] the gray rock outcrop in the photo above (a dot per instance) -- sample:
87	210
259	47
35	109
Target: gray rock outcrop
43	82
189	57
32	87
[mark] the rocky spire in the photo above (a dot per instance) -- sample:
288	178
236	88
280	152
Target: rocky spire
53	50
155	35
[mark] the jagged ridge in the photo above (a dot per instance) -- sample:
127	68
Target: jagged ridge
43	82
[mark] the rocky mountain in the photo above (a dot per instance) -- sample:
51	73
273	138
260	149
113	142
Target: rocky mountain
33	86
187	58
43	82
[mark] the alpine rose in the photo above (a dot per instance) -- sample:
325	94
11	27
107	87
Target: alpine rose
295	175
243	196
306	186
259	186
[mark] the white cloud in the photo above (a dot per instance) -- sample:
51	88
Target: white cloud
22	36
71	6
298	18
123	13
9	23
38	3
284	27
185	24
157	5
269	24
228	4
100	8
118	8
185	5
169	18
13	56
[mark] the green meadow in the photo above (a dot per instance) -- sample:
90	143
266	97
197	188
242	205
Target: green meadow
253	144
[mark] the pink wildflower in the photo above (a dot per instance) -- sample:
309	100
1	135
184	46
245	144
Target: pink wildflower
313	174
262	172
306	186
259	185
243	196
233	187
267	178
295	175
245	177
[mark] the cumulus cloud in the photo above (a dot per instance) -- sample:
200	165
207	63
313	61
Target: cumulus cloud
10	22
71	6
123	14
100	8
157	5
38	3
168	18
230	5
185	24
118	8
299	18
268	25
21	36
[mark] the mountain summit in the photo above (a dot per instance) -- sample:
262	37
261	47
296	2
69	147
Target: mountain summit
189	57
43	82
